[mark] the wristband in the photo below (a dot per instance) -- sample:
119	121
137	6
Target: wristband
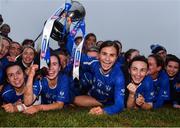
20	108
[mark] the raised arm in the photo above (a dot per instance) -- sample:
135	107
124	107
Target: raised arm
29	96
131	97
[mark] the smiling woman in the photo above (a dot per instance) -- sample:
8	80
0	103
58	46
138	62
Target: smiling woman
12	93
140	87
106	95
54	88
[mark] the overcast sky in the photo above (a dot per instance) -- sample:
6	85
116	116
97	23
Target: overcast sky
136	23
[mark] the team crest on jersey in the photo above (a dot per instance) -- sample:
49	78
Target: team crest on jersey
152	93
99	83
47	96
108	88
165	92
123	90
61	93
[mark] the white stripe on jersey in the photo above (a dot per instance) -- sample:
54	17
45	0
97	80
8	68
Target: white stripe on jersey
7	91
89	63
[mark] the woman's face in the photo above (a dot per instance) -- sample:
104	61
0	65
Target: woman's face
54	68
91	41
15	76
138	71
107	58
63	60
172	68
153	68
28	55
5	30
4	48
14	49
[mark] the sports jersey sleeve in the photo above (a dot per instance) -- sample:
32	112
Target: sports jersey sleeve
88	63
1	76
63	91
37	88
163	92
8	95
119	91
149	91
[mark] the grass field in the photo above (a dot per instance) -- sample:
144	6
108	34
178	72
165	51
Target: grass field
78	117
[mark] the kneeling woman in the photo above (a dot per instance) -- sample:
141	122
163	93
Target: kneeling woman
53	88
107	82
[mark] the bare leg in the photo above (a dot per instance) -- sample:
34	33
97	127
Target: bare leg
86	101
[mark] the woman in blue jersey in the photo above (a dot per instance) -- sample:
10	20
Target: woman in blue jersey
12	93
140	87
53	88
4	48
106	95
160	80
172	68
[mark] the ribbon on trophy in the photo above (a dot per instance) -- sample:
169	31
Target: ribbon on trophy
45	50
78	50
70	15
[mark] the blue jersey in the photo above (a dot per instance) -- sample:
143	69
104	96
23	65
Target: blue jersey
81	86
9	94
106	88
121	60
161	89
3	63
145	89
86	79
1	76
60	93
174	91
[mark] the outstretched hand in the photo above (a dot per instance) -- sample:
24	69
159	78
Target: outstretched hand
96	111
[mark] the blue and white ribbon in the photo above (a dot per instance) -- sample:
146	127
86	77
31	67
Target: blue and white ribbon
45	50
77	55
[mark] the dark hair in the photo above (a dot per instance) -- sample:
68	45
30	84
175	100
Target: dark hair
5	38
77	38
61	51
98	43
14	42
158	59
26	41
128	53
139	58
55	54
109	43
89	35
173	58
11	64
119	43
1	18
5	25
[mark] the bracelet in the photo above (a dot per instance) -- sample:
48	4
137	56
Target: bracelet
21	107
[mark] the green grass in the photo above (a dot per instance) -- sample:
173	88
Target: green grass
76	117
